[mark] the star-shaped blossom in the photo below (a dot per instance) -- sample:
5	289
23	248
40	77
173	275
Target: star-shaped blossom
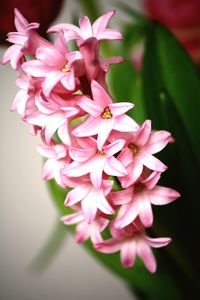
55	117
26	40
57	158
90	160
84	231
132	241
92	199
87	30
137	199
139	149
55	64
104	116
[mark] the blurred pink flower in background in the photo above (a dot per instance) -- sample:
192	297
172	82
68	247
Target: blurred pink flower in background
182	17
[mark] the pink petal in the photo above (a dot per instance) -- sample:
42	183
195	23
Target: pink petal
20	22
101	23
63	133
161	195
43	105
158	242
81	155
82	232
105	128
99	95
71	35
106	62
9	53
76	169
127	214
108	246
128	254
151	180
125	156
110	34
72	57
72	218
144	133
125	123
89	207
151	162
51	80
52	169
95	233
87	128
97	170
157	141
120	108
122	197
102	203
145	211
20	102
15	59
51	57
134	171
114	147
18	38
36	68
76	195
145	253
85	27
90	51
114	168
107	186
60	151
64	27
68	80
90	106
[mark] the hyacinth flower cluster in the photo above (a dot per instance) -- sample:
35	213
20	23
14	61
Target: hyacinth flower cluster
88	140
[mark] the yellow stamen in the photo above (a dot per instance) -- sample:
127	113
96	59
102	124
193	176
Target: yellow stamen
106	114
100	152
65	69
134	149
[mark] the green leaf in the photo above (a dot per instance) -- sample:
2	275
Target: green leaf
171	89
182	81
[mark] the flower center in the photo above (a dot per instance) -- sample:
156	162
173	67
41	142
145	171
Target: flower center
134	149
138	186
65	69
100	152
106	114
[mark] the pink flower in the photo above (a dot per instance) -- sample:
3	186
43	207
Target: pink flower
132	241
51	120
104	116
137	199
55	64
86	30
90	160
84	231
58	158
26	40
138	152
91	198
